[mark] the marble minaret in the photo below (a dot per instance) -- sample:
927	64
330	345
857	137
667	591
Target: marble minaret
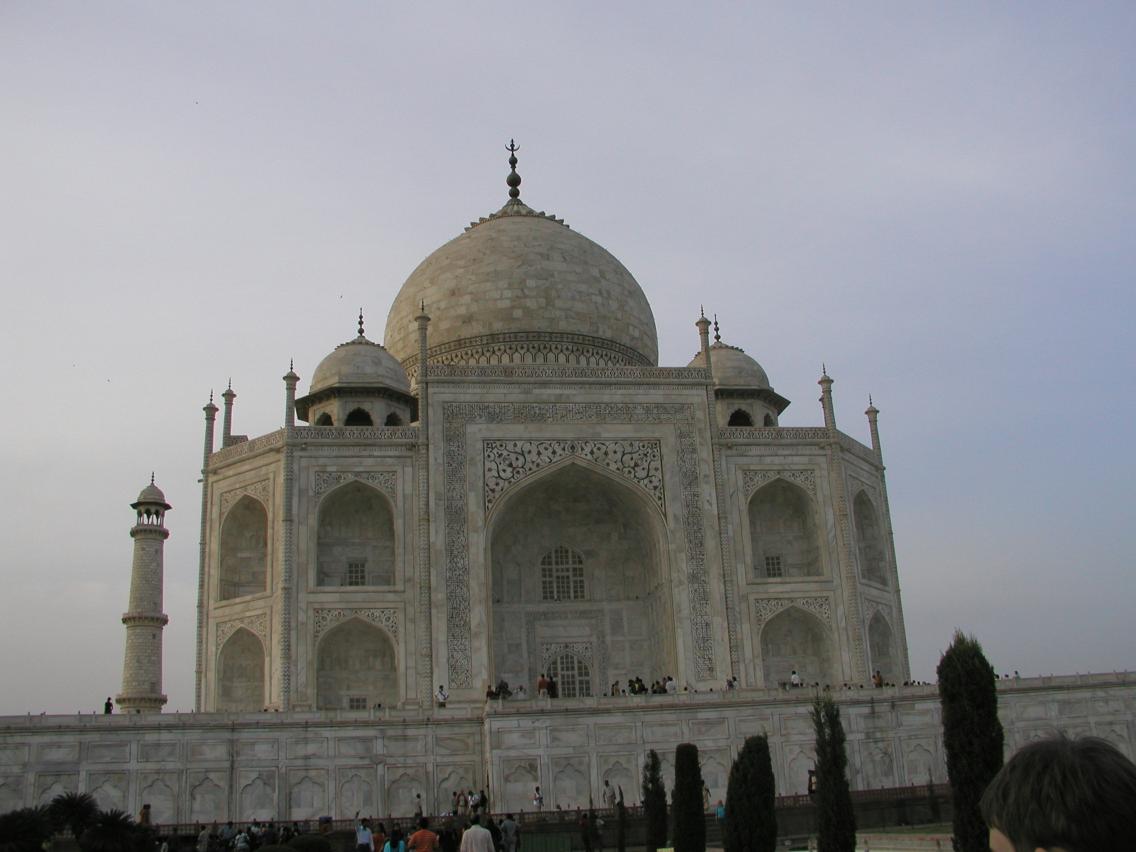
144	620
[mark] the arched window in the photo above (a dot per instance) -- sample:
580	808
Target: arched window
769	421
794	640
562	576
740	418
880	645
359	417
873	563
393	419
783	531
356	668
573	677
324	420
240	673
244	550
355	538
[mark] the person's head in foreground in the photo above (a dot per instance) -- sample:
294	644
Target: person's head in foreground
1063	795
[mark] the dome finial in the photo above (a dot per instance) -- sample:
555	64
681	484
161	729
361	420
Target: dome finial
514	179
717	336
151	477
702	312
360	322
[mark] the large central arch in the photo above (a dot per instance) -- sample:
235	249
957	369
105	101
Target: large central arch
579	579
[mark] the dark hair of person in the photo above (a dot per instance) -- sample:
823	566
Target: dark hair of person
423	822
475	819
1078	795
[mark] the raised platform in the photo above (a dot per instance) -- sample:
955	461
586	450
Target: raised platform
209	767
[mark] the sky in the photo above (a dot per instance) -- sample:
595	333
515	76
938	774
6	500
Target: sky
935	200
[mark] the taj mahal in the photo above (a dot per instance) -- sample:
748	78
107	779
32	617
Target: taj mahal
510	485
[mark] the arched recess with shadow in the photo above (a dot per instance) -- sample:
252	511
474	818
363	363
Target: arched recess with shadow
740	417
577	566
869	540
796	640
244	550
393	419
358	417
783	532
355	544
324	420
240	673
881	645
356	668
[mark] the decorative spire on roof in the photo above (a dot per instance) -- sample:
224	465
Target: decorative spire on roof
360	322
514	179
151	477
717	335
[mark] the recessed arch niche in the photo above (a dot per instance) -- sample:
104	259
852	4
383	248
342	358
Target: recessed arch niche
356	660
244	550
869	540
240	673
783	532
355	538
795	640
881	645
619	619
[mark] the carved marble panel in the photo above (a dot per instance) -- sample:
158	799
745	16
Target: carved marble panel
754	479
323	619
260	490
384	480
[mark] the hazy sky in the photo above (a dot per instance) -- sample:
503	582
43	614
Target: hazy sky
938	201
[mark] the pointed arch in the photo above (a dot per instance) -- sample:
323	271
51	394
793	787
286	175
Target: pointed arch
324	420
355	540
393	419
869	540
573	676
783	531
881	647
796	640
359	417
624	623
240	673
769	421
243	550
356	660
740	417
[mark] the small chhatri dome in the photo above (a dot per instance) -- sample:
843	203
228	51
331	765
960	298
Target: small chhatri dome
151	494
361	363
521	281
732	367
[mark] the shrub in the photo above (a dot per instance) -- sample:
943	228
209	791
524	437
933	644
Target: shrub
751	822
24	830
972	735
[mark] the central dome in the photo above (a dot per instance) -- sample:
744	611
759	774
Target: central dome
522	287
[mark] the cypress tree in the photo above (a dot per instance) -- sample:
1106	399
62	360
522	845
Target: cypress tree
972	735
686	801
751	822
654	803
836	821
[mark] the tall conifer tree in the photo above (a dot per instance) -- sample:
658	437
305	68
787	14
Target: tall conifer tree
836	821
654	802
972	735
686	801
751	821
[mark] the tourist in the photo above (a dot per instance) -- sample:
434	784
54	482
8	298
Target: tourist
586	832
108	706
510	833
720	815
476	838
418	806
538	799
608	795
1076	795
441	696
542	686
423	840
794	679
203	835
144	815
705	799
364	837
396	842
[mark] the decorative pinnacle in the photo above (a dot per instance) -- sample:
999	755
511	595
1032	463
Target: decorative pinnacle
360	322
210	396
291	364
230	383
514	179
151	477
717	336
701	312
